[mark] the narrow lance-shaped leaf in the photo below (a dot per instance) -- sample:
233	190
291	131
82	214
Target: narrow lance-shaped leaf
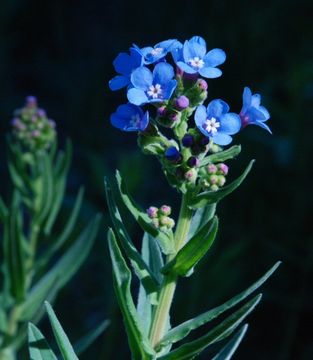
200	218
138	342
193	251
229	349
190	350
210	197
141	268
165	240
38	345
181	331
64	344
222	155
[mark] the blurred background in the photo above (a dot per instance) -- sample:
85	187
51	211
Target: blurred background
62	52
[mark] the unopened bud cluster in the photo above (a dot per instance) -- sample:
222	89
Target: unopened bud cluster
32	128
214	176
160	217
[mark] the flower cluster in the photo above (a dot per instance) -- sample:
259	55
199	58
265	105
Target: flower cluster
213	176
169	79
160	217
32	128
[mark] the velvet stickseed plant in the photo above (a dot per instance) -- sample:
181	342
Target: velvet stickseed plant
193	160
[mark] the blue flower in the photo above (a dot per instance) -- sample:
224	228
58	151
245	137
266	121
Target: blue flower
125	64
152	87
252	113
129	117
216	123
192	58
159	51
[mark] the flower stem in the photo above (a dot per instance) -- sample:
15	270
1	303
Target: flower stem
166	294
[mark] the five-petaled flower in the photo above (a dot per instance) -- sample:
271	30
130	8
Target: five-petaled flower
157	53
252	113
192	58
216	123
125	64
129	117
152	87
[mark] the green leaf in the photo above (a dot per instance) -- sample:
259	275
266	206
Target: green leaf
62	271
193	251
38	346
210	197
138	342
14	255
222	155
229	349
192	349
64	344
200	218
83	344
152	255
182	330
3	210
141	268
60	173
165	240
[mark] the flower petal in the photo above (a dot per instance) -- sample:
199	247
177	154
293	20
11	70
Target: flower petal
122	64
256	100
137	96
246	98
141	78
230	123
262	125
265	112
210	72
163	73
214	58
217	108
144	121
194	48
118	82
222	139
186	68
200	118
169	89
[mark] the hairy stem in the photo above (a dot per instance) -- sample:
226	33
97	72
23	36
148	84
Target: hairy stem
162	311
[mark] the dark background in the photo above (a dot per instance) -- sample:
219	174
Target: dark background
62	52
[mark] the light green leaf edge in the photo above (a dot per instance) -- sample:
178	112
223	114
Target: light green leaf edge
39	348
222	155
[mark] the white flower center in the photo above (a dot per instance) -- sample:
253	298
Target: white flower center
155	91
135	121
211	125
196	62
157	51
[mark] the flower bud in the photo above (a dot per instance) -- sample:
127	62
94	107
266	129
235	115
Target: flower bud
188	140
31	101
36	133
204	141
162	111
172	154
213	179
214	187
193	161
155	222
223	169
165	210
191	175
212	169
221	180
182	102
152	212
203	85
170	223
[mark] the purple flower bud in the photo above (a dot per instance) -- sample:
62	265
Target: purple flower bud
203	85
16	122
204	141
162	111
165	210
31	101
223	168
35	133
41	113
212	169
152	212
34	118
179	71
174	117
172	154
182	102
193	162
52	123
188	140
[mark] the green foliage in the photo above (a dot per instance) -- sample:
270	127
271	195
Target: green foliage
221	156
38	346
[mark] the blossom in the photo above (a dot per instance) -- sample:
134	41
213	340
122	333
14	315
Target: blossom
192	58
152	87
252	113
216	123
125	64
129	117
154	54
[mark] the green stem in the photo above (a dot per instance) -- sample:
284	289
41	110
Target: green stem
161	314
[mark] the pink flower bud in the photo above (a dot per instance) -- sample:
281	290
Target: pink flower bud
203	85
152	212
165	210
212	169
223	168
